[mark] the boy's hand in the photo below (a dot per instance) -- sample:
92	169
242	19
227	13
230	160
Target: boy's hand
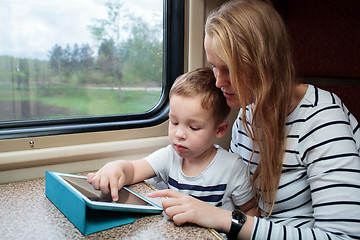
109	179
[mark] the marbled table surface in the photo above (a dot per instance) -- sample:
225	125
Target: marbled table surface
26	213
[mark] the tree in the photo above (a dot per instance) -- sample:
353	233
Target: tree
56	56
145	60
86	56
130	49
75	59
66	63
107	33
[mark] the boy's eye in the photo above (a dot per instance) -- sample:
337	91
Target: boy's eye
194	128
174	123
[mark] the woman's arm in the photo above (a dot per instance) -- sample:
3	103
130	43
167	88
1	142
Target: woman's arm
328	149
250	208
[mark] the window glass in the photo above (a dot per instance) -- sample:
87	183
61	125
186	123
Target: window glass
64	59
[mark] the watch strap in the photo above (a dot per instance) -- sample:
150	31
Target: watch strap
234	231
237	222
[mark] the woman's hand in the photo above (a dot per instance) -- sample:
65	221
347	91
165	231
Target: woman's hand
183	208
109	179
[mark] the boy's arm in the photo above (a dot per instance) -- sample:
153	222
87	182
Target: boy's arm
250	208
114	175
142	170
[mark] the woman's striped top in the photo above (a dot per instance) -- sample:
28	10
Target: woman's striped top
319	192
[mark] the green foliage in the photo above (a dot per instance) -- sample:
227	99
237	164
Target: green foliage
82	102
129	53
145	59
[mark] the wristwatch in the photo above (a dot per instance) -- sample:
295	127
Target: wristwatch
237	221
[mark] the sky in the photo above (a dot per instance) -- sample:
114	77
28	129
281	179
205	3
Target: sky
30	28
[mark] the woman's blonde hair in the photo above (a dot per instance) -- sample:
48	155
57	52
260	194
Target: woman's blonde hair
251	38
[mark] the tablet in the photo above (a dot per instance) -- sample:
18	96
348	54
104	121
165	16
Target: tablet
129	201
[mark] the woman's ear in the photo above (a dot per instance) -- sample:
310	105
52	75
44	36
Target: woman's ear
221	129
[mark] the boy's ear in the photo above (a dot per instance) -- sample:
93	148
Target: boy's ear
221	130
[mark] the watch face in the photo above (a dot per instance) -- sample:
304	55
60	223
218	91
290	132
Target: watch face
239	216
238	220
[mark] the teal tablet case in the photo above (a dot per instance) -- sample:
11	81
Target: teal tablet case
85	219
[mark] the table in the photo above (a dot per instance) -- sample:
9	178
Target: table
26	213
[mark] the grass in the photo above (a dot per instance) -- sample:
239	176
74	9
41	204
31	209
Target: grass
86	101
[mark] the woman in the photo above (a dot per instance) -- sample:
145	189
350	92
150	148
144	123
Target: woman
300	142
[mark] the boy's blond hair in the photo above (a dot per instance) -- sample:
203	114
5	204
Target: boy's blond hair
201	82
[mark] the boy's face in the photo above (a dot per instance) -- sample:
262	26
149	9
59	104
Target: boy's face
191	128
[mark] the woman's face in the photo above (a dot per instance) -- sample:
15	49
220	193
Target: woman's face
221	72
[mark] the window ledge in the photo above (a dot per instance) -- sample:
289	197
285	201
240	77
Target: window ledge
28	164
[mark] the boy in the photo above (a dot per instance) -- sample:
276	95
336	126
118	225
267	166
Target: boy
191	164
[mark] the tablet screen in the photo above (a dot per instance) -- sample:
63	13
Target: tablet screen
125	196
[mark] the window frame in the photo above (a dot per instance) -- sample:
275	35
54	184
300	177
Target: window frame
173	66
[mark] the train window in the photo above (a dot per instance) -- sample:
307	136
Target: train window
84	66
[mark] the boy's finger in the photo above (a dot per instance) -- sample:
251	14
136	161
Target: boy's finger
89	177
115	186
95	181
114	189
104	185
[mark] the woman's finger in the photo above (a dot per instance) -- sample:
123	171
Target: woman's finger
173	210
181	218
168	193
171	202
